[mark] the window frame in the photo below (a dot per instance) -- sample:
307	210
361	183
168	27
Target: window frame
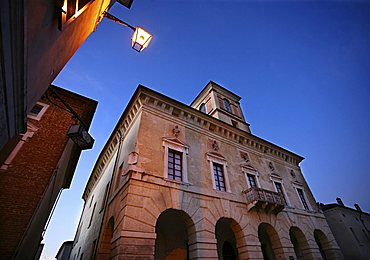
304	196
203	108
227	105
181	148
92	215
39	115
274	181
64	20
221	161
251	172
174	176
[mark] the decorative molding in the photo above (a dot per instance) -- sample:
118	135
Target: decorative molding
213	125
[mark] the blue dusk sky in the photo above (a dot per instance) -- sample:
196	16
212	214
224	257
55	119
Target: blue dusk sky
302	69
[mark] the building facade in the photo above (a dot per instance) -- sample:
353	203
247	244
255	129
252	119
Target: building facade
39	167
192	182
350	227
37	38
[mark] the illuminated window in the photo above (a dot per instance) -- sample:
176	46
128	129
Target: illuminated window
71	9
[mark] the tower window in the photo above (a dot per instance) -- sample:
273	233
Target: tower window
202	108
227	105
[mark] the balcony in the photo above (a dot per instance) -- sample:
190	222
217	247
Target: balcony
268	201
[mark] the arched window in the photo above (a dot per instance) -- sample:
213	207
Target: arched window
227	105
202	108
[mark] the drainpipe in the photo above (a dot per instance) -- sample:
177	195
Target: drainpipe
109	191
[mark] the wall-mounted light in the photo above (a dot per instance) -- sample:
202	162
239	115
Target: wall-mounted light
80	136
77	132
140	39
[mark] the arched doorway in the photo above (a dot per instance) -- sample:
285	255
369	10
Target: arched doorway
173	228
270	242
105	247
300	243
322	242
227	242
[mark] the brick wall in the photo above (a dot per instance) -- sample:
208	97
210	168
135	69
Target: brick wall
22	185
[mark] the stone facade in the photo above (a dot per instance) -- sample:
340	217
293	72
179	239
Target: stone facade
350	227
192	182
39	167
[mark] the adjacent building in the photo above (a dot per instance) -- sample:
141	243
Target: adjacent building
37	38
192	182
350	227
41	165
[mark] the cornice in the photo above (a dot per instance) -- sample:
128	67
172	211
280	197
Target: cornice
123	126
145	98
213	125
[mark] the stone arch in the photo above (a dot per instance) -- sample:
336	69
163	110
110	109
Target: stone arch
174	233
270	242
229	237
105	248
323	243
300	244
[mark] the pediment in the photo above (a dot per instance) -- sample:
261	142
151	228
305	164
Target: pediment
248	166
217	155
174	140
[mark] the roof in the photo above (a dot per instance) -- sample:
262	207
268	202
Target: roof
325	207
147	91
211	84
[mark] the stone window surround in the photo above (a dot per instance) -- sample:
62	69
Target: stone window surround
168	144
280	180
41	113
247	171
213	158
31	129
296	187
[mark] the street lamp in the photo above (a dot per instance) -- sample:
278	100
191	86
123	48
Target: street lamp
140	39
77	132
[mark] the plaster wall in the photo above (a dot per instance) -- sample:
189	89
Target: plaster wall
85	235
355	243
145	193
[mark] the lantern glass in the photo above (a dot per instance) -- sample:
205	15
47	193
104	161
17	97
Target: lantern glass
81	137
140	39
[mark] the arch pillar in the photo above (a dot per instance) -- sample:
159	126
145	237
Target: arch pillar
204	242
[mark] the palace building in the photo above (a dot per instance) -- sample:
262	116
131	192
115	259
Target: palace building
192	182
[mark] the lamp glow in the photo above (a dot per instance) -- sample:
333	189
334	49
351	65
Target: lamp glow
140	39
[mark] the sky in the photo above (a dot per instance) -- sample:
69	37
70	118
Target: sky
302	69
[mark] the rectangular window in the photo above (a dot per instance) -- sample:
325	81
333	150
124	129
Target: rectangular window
252	181
91	201
36	109
174	165
303	199
105	197
92	215
218	173
354	234
279	189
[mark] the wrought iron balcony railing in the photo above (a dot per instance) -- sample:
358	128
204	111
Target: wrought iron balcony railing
258	198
